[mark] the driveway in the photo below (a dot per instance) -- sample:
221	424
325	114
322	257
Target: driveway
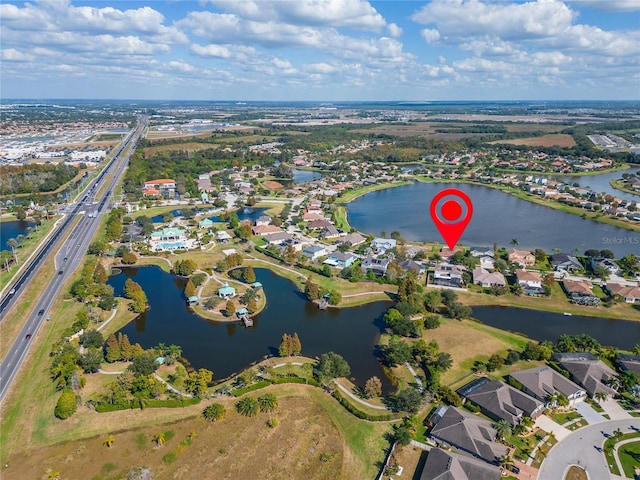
584	448
614	410
548	425
589	414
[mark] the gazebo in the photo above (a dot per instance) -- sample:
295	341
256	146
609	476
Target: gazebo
226	291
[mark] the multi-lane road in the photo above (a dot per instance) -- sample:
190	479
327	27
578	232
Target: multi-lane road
67	256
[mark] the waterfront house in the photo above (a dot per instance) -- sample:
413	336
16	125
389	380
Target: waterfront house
544	382
318	224
523	258
226	291
482	251
262	220
376	265
381	245
265	230
205	223
329	232
607	263
352	239
629	294
500	401
312	216
340	260
629	363
531	282
448	275
580	291
565	263
314	252
468	433
588	371
412	266
488	279
445	465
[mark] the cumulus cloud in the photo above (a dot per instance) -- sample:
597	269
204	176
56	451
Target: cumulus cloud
608	5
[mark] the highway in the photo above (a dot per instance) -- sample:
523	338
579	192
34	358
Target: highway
67	257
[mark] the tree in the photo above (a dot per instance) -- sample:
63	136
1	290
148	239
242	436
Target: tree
92	338
432	300
198	382
502	428
90	362
100	274
602	272
514	242
112	349
617	434
129	258
444	361
396	352
373	388
67	404
311	290
144	364
189	289
408	400
458	311
212	302
290	255
600	397
332	365
230	308
636	349
267	402
431	321
247	406
249	275
214	412
495	362
12	243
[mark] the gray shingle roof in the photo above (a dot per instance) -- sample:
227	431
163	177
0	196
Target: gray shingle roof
588	371
443	465
545	381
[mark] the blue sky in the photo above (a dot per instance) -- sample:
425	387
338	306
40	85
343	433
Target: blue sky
321	50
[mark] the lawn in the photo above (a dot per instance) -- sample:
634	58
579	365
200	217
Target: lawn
563	417
629	455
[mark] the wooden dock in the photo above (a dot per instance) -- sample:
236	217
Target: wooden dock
246	319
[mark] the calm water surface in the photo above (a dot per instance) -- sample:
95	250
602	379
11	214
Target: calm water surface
228	348
600	182
12	230
497	218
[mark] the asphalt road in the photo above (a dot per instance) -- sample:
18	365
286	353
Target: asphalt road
584	448
67	257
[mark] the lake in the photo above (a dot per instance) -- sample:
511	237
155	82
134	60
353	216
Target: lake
303	176
497	218
600	182
541	326
245	213
228	348
12	229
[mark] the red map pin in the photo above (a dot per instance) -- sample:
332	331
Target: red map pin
451	210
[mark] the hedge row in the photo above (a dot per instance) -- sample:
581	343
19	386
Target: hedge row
156	403
359	413
256	386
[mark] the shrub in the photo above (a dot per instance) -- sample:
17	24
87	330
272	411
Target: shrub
67	405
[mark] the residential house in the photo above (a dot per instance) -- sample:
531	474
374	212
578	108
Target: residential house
329	232
314	252
481	251
565	263
265	230
376	265
262	220
588	371
445	465
629	294
277	238
311	216
544	382
579	289
318	224
448	275
468	433
381	245
340	260
226	291
223	236
523	258
204	183
630	363
488	279
412	266
500	401
531	282
607	263
353	239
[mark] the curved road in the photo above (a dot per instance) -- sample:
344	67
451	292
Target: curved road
584	448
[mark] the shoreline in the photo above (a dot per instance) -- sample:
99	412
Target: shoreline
621	185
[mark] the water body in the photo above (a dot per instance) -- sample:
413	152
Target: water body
541	326
497	218
246	213
12	229
303	176
600	182
227	348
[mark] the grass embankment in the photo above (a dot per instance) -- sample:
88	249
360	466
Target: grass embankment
629	455
596	216
623	187
357	192
557	302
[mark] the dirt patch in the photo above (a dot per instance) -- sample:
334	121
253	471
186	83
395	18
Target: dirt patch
306	444
552	140
272	185
576	473
188	147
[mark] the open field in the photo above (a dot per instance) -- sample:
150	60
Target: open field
311	424
551	140
186	146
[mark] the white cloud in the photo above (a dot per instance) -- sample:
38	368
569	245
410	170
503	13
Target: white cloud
609	5
394	30
13	55
431	35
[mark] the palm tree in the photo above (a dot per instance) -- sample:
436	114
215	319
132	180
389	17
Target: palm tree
506	462
20	239
52	474
527	422
617	434
268	402
109	441
12	243
29	231
174	351
214	412
502	428
636	349
159	439
514	242
247	406
600	397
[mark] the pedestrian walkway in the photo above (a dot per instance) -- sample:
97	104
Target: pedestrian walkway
614	410
415	376
346	391
588	413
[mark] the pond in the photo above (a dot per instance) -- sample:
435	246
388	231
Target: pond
497	218
12	229
228	348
